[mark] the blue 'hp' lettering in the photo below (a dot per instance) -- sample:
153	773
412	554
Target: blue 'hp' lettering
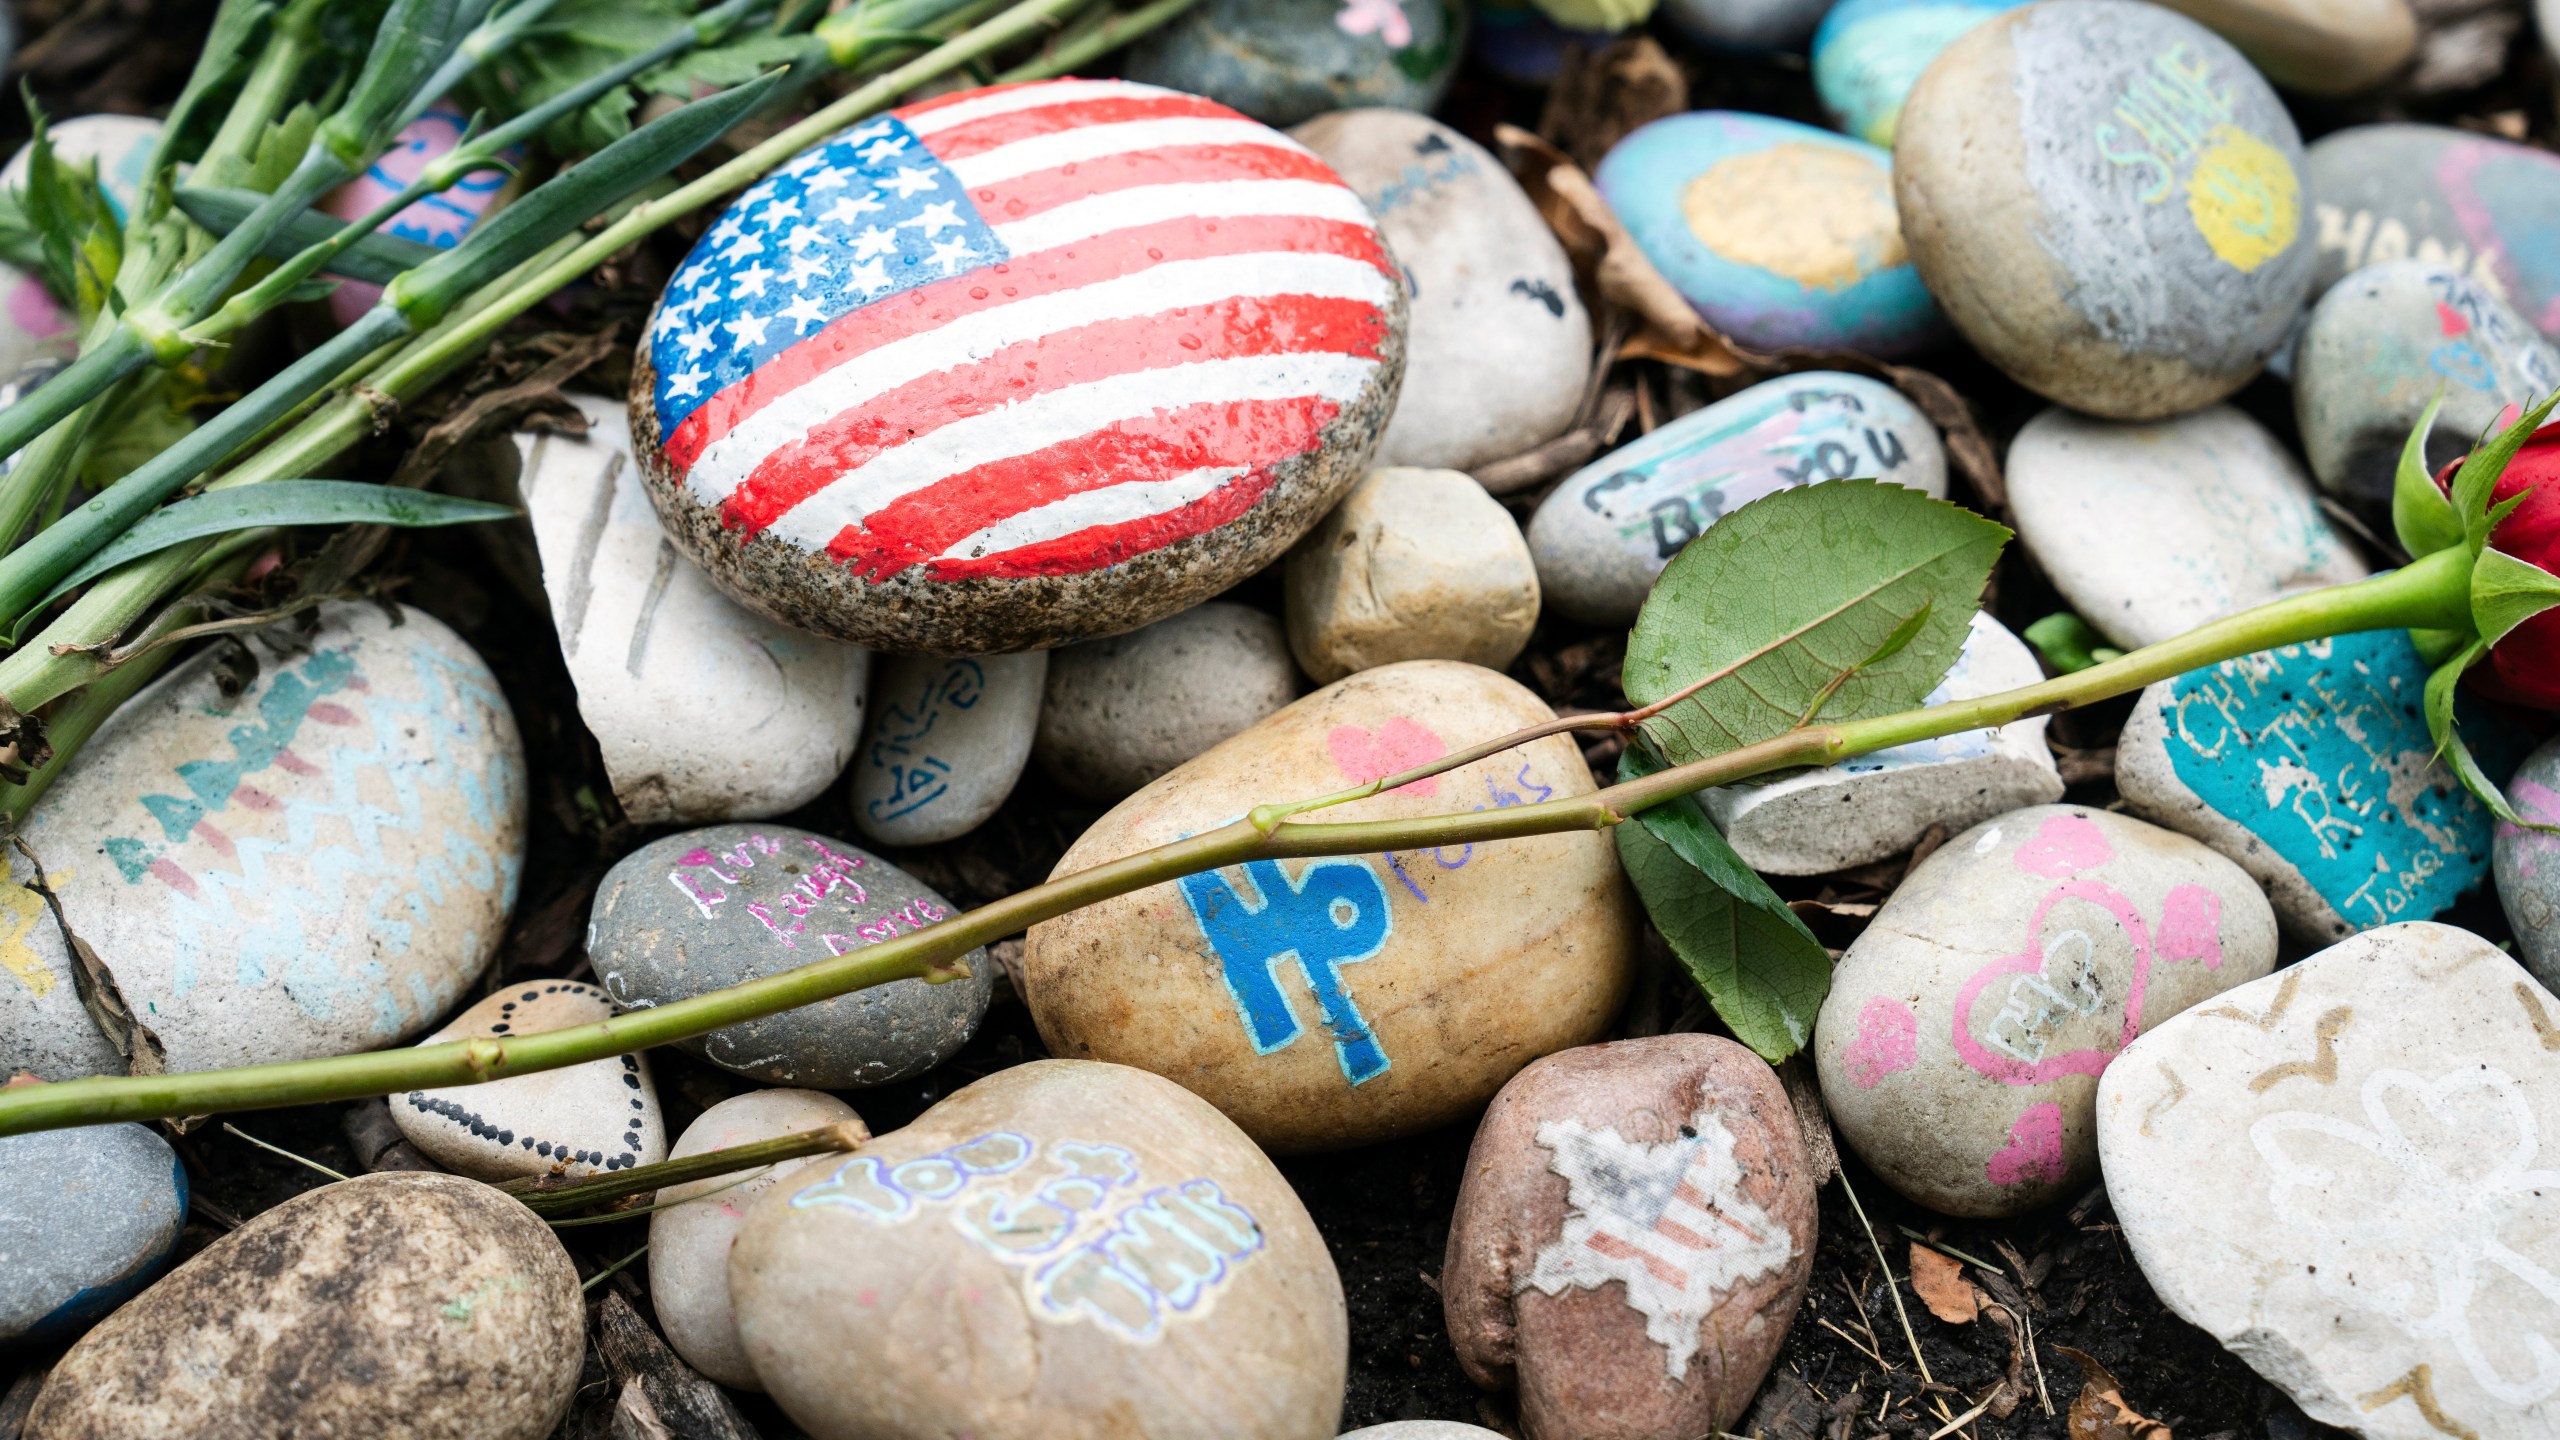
1333	914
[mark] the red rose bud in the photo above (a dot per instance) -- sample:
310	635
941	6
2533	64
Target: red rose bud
2524	666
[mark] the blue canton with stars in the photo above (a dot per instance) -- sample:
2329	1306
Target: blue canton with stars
848	224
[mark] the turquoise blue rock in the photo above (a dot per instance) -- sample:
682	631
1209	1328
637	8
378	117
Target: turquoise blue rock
1283	61
1869	53
1779	233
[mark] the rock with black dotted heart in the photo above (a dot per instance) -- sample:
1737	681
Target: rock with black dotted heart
578	1120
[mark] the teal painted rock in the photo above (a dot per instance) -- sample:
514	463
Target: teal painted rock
2108	202
2485	207
87	1217
1746	24
1780	234
1869	53
1283	61
2311	767
1610	528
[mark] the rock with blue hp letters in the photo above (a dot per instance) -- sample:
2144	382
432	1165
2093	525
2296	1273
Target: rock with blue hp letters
2312	768
1869	53
948	738
1112	1257
87	1217
2484	206
1337	1001
2527	863
1610	528
1281	61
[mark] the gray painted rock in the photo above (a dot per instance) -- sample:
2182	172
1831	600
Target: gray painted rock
1282	61
1610	527
2319	47
2343	1172
2383	343
1960	1046
713	908
1112	1257
1746	24
427	1307
2527	863
2107	201
1816	821
769	714
1632	1238
1113	356
320	866
2312	767
1498	346
87	1217
948	738
1121	712
2483	206
2152	529
588	1119
1412	565
697	1222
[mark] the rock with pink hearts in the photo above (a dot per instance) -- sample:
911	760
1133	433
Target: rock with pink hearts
2527	864
1347	999
1120	712
1960	1047
1633	1236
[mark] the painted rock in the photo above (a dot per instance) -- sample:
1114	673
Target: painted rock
1283	61
2311	766
697	1222
948	738
2319	47
1610	528
2383	343
1498	346
1121	712
440	220
1423	979
34	327
2107	200
1815	821
1632	1238
588	1119
87	1217
429	1306
707	909
2485	207
2369	1125
1009	368
1780	234
1869	53
1412	565
1746	24
320	866
776	709
2527	863
1960	1046
1421	1430
1114	1258
2152	529
120	145
1515	40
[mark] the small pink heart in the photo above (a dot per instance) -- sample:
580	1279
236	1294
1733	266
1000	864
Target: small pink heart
2191	926
1400	744
2034	1151
1886	1042
2065	846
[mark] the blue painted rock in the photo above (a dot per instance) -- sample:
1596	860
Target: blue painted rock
1813	822
1610	528
1960	1046
1422	979
1746	24
1515	40
2383	343
1498	346
2311	766
2107	200
948	738
1780	234
1869	53
707	909
589	1119
1283	61
2527	863
120	145
320	866
440	220
1113	1258
2150	530
1009	368
2319	47
87	1217
2485	207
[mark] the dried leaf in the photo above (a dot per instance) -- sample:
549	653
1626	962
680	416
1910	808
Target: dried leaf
1939	1281
1600	99
2100	1413
2012	1390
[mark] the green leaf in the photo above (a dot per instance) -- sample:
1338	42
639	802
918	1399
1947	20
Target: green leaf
2443	688
2068	643
2506	592
1753	959
77	232
1798	594
2477	479
2420	514
375	259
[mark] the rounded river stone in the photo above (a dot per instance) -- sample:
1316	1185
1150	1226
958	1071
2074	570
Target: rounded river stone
1013	367
1746	24
1122	711
2527	863
1412	565
87	1217
1283	61
2107	200
948	739
1869	53
589	1119
2318	47
2484	206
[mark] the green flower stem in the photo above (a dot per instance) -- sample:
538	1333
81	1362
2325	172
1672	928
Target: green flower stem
562	1194
264	95
2430	593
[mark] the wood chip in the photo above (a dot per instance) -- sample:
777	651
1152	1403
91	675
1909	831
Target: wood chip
1939	1281
2100	1413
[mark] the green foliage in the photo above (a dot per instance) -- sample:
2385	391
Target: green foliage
281	147
2443	690
376	258
79	239
2506	592
2069	644
2420	514
582	37
2477	477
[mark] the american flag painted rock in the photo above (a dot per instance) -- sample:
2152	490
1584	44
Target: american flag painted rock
1018	366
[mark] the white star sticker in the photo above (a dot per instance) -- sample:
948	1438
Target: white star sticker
694	340
869	275
751	283
937	217
951	255
805	268
749	329
731	226
807	311
910	182
874	241
777	211
741	248
827	180
800	238
847	209
886	147
685	384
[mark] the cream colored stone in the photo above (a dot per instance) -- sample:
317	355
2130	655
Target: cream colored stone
1412	565
2319	47
588	1119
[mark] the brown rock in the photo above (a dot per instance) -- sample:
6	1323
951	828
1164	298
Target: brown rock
1632	1238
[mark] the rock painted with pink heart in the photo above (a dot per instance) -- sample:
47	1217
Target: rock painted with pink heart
1960	1048
2527	863
1338	1001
